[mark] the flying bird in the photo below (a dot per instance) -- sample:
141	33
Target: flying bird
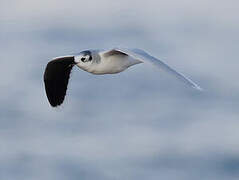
57	72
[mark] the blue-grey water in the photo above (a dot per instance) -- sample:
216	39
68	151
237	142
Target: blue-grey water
140	124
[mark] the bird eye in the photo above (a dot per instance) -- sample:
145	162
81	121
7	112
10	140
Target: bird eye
83	59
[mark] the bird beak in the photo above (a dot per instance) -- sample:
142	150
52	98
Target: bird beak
76	59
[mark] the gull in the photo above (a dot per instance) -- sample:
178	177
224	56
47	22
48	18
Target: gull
116	60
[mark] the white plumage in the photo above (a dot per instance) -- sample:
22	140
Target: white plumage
112	61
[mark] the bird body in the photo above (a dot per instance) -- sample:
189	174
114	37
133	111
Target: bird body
107	63
57	72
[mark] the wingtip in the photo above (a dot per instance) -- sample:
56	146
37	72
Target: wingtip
198	88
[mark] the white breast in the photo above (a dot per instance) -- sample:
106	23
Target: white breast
112	64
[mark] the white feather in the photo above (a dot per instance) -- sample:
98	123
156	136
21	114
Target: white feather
145	57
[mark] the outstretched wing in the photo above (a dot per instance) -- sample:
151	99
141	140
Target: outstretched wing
145	57
56	77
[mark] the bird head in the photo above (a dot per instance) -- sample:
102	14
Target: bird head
83	59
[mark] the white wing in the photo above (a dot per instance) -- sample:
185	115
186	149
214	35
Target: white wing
145	57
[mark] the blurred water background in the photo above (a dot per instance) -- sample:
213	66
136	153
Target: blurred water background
140	124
